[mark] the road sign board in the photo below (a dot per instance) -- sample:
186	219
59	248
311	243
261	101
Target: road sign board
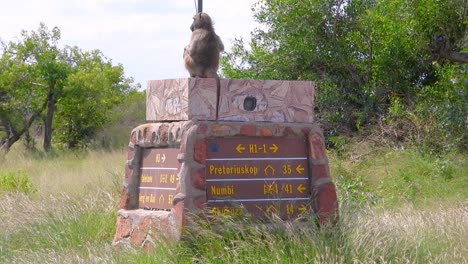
158	178
260	176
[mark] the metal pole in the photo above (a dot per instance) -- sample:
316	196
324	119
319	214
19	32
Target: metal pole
200	6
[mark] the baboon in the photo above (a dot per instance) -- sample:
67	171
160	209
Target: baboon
201	55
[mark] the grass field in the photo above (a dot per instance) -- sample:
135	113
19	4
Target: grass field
396	206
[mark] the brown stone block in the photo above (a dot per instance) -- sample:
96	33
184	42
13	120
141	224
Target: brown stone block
319	171
123	228
133	138
181	99
199	179
139	233
138	237
183	141
305	131
248	130
141	228
199	154
130	153
316	146
163	133
289	132
179	213
128	172
124	198
202	129
277	130
221	130
266	101
265	132
326	204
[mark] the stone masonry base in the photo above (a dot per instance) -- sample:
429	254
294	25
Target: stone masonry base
140	228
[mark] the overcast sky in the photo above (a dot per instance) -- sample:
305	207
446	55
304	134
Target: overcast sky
146	36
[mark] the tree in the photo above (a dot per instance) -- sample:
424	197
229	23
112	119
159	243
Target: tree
362	53
23	98
63	86
89	95
52	68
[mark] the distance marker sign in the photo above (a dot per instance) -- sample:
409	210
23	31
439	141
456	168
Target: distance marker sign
259	175
159	178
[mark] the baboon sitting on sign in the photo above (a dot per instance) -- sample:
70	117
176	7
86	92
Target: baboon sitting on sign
201	55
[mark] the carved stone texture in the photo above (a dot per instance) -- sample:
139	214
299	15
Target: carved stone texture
272	101
181	99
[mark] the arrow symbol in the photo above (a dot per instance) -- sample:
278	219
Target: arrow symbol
163	158
272	209
161	199
240	148
269	167
299	169
274	148
302	208
301	188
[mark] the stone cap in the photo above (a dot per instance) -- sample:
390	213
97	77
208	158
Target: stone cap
181	99
275	101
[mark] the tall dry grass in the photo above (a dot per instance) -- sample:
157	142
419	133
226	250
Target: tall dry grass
71	217
70	214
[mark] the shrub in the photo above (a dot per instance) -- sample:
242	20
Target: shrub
11	181
354	191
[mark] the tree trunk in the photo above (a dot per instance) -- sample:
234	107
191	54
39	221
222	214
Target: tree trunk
9	140
48	123
6	145
29	141
12	134
443	48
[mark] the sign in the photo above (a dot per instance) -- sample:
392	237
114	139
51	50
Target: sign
159	178
261	176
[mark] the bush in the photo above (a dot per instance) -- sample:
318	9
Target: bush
438	121
125	117
11	181
442	107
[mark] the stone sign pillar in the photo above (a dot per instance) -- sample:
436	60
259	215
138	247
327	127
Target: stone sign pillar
256	152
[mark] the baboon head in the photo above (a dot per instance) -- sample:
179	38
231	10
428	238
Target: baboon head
201	21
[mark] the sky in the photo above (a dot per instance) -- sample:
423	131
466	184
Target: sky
146	36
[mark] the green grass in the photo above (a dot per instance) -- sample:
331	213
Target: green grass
396	206
399	176
15	181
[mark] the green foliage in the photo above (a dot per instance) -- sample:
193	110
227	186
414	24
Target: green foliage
443	107
438	121
21	97
16	181
354	191
124	118
38	66
68	89
338	143
368	57
89	95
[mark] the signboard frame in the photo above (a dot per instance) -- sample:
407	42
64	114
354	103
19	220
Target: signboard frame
158	178
257	176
